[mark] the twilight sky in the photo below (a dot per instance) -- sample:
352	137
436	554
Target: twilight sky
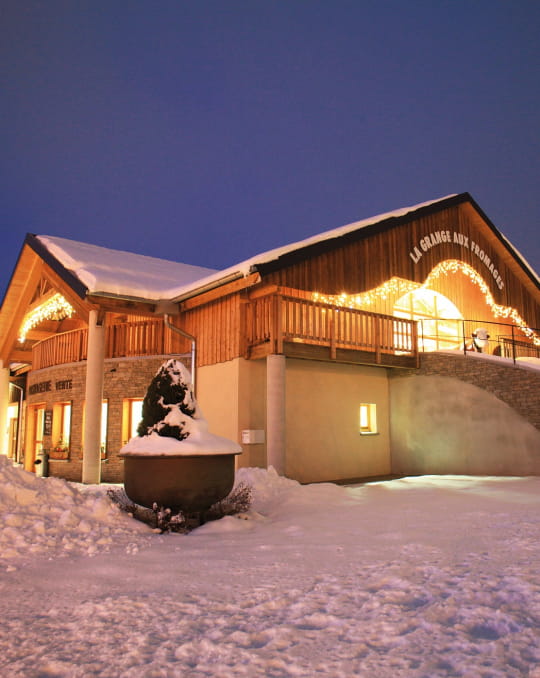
206	131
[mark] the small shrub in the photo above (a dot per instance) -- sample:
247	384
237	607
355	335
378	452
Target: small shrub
238	501
163	519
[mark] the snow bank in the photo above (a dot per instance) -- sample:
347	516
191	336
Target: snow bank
417	577
51	517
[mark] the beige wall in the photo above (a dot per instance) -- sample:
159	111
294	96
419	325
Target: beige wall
232	398
322	415
323	441
443	425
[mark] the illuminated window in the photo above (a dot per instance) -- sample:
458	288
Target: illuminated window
103	441
103	426
439	328
132	415
61	430
368	418
38	428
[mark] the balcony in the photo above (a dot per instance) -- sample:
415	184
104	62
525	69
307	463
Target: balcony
142	338
287	321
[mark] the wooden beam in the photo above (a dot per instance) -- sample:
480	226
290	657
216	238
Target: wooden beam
38	335
264	291
82	306
122	306
20	292
220	292
18	356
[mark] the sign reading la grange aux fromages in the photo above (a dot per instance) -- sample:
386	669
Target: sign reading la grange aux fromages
439	237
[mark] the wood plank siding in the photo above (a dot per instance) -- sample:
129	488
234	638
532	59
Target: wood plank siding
274	307
365	259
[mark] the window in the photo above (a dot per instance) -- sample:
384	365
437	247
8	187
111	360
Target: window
38	428
104	427
61	431
103	440
368	419
132	415
439	327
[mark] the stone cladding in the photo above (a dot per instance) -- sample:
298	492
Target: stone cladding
124	378
518	385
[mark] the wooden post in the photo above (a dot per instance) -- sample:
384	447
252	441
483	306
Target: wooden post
333	353
4	402
275	412
377	340
415	343
91	470
279	325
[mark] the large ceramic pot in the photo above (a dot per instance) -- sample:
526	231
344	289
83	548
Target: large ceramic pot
179	482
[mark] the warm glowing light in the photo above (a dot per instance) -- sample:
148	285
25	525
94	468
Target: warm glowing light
399	286
55	308
499	311
389	288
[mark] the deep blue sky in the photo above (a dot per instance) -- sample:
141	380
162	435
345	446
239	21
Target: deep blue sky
207	131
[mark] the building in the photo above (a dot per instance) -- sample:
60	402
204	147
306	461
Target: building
404	343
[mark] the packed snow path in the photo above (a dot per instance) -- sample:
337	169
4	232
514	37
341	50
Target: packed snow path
415	577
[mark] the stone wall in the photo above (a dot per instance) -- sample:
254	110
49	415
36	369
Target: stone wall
124	378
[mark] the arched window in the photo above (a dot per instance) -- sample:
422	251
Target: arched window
439	319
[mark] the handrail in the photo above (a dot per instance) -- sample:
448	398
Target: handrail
131	339
280	316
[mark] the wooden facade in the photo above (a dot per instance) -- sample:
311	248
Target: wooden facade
333	299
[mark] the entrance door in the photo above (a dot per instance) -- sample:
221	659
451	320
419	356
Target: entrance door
39	426
12	443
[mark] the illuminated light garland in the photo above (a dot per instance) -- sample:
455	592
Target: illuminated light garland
55	308
400	286
499	311
389	288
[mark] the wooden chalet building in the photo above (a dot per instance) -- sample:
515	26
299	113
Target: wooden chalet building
347	355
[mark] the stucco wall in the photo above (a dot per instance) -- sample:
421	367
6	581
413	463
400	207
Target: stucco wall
232	399
441	424
322	421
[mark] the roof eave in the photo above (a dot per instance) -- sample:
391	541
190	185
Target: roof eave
67	276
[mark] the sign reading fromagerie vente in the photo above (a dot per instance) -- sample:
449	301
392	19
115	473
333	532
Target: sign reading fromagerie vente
45	386
436	238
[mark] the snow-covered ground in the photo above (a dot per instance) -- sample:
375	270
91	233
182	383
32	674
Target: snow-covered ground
429	576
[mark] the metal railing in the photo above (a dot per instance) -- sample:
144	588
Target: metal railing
477	336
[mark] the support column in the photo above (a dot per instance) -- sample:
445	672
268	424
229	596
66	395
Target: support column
4	404
91	470
275	412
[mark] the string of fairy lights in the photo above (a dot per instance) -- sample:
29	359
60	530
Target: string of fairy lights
58	308
55	308
396	287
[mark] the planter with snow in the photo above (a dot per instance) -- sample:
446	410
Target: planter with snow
174	461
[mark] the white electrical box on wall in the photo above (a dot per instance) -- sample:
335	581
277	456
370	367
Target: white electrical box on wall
252	436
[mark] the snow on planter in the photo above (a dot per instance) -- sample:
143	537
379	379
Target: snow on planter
174	461
172	422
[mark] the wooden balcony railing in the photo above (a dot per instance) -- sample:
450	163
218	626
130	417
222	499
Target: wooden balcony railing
277	318
68	347
147	337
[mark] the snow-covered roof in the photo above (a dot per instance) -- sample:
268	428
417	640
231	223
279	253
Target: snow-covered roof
245	267
107	271
122	273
